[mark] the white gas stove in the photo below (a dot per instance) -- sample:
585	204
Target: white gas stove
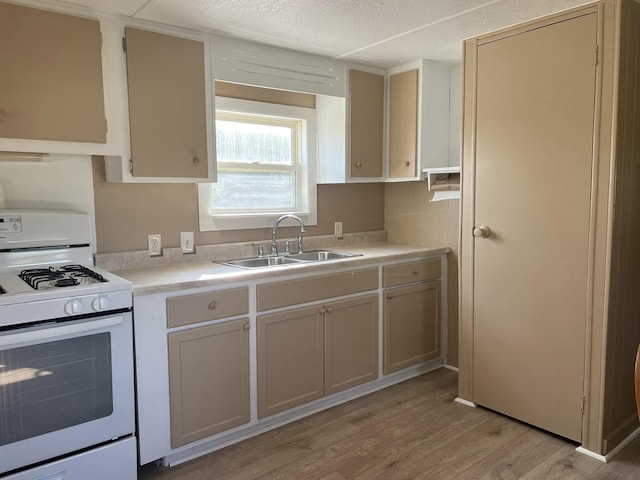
66	354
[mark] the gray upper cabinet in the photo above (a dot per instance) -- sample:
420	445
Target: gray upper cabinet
167	106
51	82
366	124
403	124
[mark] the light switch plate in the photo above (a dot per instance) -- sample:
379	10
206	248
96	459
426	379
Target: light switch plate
186	242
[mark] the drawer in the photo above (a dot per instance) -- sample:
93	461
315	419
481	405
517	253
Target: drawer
302	290
410	272
202	307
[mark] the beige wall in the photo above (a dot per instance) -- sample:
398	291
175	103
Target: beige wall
127	213
620	417
411	218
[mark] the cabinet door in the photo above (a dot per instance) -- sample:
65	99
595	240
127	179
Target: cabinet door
51	81
411	325
403	124
290	359
167	105
209	380
366	124
351	343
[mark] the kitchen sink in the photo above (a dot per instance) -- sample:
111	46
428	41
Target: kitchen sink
322	255
260	262
296	258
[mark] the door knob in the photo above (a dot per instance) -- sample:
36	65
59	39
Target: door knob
482	231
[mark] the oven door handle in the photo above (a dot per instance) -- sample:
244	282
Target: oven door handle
52	332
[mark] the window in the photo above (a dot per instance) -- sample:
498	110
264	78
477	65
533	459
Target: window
266	166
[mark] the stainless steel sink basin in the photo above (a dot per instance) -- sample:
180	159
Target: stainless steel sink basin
296	258
260	262
322	255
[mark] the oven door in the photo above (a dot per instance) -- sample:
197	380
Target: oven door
64	386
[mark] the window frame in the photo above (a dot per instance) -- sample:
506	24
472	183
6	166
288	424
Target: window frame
306	183
296	126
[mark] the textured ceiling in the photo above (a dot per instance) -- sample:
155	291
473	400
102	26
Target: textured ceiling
383	33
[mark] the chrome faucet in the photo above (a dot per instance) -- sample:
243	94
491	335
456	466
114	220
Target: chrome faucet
274	232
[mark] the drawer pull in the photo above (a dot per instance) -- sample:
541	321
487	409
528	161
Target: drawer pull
416	272
246	327
212	305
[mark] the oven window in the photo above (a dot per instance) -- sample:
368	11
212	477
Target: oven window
54	385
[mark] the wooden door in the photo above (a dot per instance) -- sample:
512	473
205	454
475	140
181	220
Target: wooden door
351	343
411	325
51	80
533	164
290	359
403	124
167	105
208	380
366	124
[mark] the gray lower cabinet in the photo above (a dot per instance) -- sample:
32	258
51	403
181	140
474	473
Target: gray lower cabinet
411	325
350	343
290	359
307	353
208	380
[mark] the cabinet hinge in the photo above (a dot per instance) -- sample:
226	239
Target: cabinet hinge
582	404
131	166
595	55
124	44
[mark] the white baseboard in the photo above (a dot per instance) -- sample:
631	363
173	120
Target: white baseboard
609	456
450	367
466	403
589	453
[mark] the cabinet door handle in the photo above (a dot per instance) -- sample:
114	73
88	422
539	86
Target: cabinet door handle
323	311
389	296
329	309
212	305
416	272
246	327
196	159
358	164
406	164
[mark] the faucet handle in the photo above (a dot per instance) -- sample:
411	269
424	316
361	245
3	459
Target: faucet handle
287	247
260	248
300	244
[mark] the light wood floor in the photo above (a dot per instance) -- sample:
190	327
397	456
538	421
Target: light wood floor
413	430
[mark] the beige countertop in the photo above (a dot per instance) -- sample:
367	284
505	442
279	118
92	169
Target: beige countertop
178	277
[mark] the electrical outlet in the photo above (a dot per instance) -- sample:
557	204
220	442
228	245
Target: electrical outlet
337	229
154	243
186	242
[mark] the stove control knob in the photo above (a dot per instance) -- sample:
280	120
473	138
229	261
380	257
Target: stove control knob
73	307
100	303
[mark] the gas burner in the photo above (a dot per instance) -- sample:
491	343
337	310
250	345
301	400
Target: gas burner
64	276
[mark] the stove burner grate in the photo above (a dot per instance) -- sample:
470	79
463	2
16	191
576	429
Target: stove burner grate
64	276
